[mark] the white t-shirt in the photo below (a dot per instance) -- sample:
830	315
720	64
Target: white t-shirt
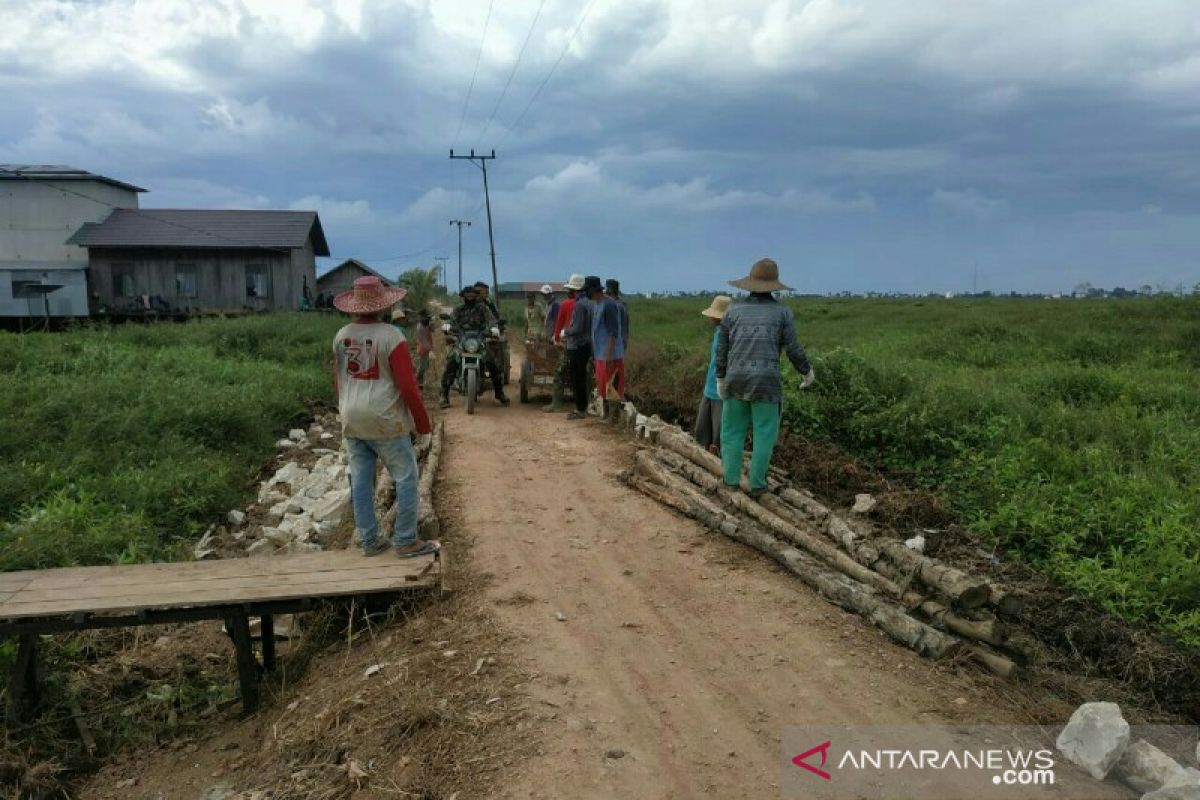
370	404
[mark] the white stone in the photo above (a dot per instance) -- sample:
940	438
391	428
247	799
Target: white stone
327	437
290	473
1174	793
316	428
285	444
297	435
236	518
325	530
260	547
1146	768
294	507
1187	776
863	503
332	507
277	536
1095	738
916	543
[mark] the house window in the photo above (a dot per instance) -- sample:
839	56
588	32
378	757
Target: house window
185	280
258	282
122	278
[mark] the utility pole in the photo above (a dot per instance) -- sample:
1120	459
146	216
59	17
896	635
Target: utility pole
481	162
442	264
459	223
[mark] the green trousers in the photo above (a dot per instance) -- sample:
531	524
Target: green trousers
763	420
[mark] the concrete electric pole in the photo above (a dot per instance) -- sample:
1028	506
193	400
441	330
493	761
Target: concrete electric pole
481	162
459	223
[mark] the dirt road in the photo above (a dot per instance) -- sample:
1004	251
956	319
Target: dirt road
666	662
685	652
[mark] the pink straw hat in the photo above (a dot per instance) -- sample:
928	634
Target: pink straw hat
368	296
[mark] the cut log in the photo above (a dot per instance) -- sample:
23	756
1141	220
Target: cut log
963	590
995	662
428	526
838	588
1006	601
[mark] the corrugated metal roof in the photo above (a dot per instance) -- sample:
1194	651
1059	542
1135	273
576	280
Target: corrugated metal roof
57	172
158	227
353	262
530	286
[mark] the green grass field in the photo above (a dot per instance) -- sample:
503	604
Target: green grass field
119	443
1067	430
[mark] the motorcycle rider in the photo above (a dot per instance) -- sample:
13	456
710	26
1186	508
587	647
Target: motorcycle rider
472	315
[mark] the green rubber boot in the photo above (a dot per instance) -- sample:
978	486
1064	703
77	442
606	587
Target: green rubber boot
556	401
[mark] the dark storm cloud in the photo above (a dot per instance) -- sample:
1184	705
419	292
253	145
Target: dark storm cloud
866	145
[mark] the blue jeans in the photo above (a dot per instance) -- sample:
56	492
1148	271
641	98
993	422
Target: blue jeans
401	463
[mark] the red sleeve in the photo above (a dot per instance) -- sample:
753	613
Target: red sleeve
406	383
564	316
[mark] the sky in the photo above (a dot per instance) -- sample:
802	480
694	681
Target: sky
865	145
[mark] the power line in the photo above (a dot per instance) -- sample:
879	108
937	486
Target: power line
513	72
582	18
474	73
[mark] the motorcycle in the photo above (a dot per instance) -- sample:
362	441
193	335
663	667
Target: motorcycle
470	347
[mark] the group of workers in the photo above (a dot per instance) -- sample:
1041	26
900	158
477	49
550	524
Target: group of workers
379	394
589	325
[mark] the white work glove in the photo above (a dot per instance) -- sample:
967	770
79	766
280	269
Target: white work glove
808	377
721	389
424	441
495	332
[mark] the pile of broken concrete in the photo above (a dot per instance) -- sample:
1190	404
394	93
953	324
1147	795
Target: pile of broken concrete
1097	738
299	507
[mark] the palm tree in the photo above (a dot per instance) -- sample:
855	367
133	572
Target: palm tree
422	286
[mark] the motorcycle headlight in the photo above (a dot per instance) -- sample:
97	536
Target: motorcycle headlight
471	345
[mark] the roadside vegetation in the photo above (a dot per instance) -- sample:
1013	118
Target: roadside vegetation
119	443
1067	431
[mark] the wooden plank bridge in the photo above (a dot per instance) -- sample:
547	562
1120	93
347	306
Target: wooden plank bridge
37	602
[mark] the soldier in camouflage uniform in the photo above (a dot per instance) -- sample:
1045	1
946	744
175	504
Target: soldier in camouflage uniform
472	315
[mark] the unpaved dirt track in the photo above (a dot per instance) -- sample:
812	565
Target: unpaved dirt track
687	652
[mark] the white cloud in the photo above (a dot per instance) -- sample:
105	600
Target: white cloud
968	203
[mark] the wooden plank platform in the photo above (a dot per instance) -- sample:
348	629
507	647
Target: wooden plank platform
136	587
38	602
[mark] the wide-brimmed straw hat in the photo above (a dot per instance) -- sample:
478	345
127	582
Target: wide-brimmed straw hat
547	289
763	277
719	306
575	282
369	296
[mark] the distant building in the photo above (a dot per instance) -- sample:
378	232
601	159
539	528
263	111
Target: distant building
202	260
40	207
517	290
341	278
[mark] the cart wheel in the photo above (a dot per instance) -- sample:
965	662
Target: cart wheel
526	380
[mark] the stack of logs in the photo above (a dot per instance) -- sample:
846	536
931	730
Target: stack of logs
930	607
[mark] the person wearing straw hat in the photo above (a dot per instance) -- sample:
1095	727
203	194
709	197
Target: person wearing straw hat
708	417
379	405
749	342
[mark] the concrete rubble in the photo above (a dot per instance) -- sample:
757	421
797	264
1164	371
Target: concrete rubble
1095	738
1146	768
298	509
